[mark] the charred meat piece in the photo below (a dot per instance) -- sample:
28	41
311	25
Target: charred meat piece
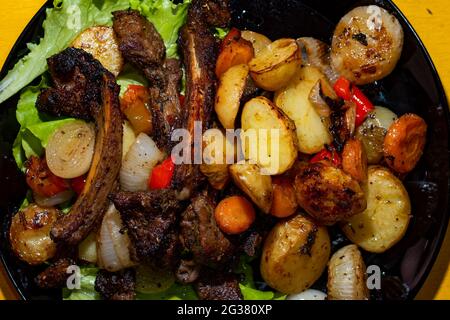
165	105
187	272
77	81
77	66
151	220
201	236
218	286
55	276
116	285
140	44
200	50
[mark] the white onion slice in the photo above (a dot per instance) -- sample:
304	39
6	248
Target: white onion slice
310	294
70	149
54	200
113	245
142	157
87	249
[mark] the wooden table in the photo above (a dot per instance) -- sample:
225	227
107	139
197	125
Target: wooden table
430	18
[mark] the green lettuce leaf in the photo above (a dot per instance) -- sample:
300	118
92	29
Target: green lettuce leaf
167	17
128	76
62	24
87	286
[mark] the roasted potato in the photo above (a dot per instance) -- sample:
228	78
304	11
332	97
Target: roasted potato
367	44
275	65
312	132
218	154
386	218
347	275
257	186
259	41
101	42
229	93
268	136
372	132
327	193
29	234
295	254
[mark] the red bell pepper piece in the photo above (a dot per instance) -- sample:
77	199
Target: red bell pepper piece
330	155
342	87
161	175
182	99
78	184
346	91
233	35
363	105
41	180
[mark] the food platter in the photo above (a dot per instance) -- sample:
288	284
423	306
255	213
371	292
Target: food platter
413	87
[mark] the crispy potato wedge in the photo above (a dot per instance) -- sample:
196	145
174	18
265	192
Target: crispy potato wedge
295	254
347	275
101	42
386	218
229	93
312	132
268	136
259	41
258	187
275	65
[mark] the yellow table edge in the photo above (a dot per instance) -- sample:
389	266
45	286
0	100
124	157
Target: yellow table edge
429	18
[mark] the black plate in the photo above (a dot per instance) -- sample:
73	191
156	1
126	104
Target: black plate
414	86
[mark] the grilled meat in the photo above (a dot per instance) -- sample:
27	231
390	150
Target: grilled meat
140	44
187	272
201	236
116	285
199	50
218	286
77	81
55	276
151	220
82	87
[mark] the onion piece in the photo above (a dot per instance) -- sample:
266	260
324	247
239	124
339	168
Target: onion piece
70	149
113	245
347	275
128	138
138	163
321	107
310	294
87	249
54	200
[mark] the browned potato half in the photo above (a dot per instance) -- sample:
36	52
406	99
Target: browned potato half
218	154
29	234
347	275
274	66
268	136
367	44
386	218
258	187
327	193
229	93
259	41
295	254
312	131
101	42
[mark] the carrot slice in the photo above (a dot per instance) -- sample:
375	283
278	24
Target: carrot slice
404	143
354	160
284	201
234	215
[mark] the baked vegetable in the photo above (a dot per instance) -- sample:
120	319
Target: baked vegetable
295	254
347	275
268	136
259	41
386	218
275	65
312	132
234	215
